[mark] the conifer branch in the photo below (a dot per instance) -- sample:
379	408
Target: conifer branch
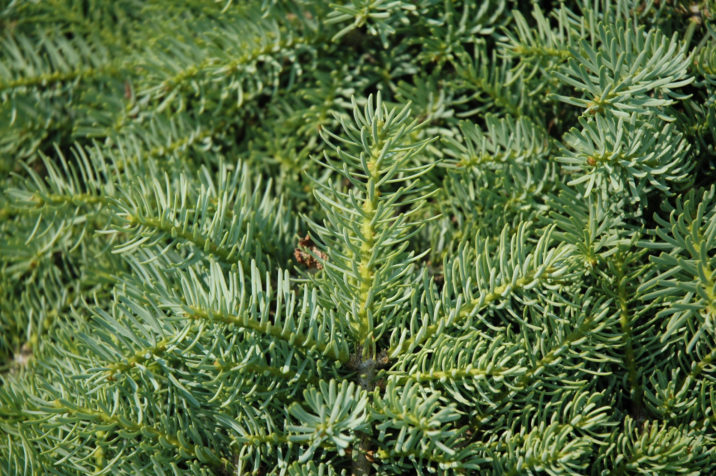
373	236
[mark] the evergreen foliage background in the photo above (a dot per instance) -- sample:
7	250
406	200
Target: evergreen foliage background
510	265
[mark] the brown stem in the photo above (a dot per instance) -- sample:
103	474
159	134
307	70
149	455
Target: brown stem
366	379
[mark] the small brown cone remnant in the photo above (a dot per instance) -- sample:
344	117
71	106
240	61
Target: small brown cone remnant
305	254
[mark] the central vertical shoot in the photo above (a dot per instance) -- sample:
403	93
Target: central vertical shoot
371	200
366	269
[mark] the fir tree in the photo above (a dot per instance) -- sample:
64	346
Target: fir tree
357	237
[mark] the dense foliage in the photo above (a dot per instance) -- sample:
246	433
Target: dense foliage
365	236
